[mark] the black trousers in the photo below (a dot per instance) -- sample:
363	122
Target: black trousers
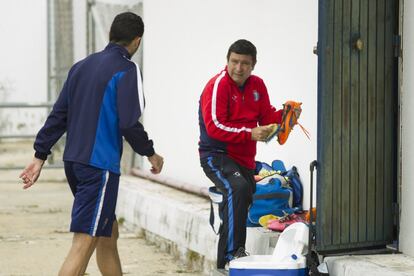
237	185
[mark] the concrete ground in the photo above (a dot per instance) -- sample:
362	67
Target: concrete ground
34	223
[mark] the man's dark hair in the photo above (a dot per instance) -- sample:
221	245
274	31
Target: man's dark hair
243	47
125	27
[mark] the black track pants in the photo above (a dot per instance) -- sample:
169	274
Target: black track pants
237	185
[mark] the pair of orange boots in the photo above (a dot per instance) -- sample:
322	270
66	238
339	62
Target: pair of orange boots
291	113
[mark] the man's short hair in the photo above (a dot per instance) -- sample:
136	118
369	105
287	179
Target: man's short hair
125	27
243	47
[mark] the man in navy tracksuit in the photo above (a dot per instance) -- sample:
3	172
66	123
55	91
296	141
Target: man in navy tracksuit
101	102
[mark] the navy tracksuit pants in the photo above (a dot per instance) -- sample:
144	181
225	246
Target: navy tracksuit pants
237	185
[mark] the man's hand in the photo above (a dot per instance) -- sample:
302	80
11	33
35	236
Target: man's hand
157	162
261	133
32	172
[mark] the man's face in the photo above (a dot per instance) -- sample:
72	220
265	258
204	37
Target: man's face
239	67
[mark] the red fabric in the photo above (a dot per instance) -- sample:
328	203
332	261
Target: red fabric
236	112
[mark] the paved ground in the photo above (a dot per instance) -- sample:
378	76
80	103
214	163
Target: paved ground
34	237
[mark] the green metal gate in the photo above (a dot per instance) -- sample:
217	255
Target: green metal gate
357	107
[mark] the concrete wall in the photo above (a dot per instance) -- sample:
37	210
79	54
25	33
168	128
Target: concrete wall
407	114
23	66
185	44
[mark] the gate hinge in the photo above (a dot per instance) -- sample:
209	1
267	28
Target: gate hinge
397	46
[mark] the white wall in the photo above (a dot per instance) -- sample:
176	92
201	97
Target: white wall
23	66
407	113
186	43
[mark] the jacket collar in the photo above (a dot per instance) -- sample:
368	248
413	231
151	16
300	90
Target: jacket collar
121	49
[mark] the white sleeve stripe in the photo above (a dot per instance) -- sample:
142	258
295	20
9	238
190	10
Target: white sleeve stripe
140	89
213	109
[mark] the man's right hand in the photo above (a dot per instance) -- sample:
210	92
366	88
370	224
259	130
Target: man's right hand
157	162
31	173
261	133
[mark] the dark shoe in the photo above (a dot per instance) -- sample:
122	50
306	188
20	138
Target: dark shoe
241	252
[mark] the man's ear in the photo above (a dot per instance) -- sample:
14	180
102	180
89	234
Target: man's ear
137	41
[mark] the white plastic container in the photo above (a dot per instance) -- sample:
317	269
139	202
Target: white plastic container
260	241
287	260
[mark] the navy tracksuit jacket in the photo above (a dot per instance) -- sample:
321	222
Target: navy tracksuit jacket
100	102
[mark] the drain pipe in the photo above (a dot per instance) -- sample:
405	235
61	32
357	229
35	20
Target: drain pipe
179	185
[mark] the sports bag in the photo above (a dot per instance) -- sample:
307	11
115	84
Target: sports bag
270	198
293	178
288	178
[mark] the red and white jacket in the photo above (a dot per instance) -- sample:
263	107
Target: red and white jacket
227	115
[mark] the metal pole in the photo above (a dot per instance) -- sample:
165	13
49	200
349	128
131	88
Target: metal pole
21	168
90	28
25	105
49	49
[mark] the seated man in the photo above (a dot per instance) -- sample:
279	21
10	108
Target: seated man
234	113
